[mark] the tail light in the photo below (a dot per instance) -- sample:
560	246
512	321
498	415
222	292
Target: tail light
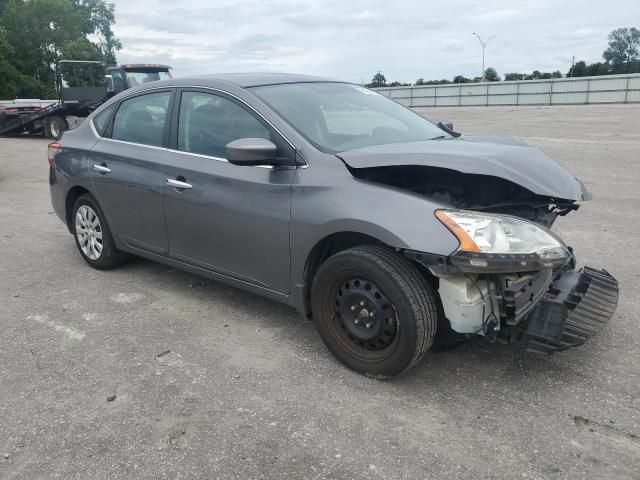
52	151
10	110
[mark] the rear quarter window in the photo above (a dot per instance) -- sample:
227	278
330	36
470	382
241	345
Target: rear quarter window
101	120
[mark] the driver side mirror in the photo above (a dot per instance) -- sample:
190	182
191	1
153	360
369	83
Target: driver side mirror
109	81
251	151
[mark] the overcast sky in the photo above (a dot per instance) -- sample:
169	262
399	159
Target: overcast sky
353	39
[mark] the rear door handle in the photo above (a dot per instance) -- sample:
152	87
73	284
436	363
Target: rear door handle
178	183
101	168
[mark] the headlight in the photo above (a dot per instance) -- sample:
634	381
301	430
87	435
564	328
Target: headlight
501	242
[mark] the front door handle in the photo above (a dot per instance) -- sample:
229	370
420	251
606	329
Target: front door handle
101	168
178	184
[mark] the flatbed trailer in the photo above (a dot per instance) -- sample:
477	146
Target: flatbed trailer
52	120
82	87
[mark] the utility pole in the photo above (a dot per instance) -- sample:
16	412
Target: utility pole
484	47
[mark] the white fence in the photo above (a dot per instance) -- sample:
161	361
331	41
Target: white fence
560	91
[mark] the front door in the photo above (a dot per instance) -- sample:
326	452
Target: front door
126	170
230	219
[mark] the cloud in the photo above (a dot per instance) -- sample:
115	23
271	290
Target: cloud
354	39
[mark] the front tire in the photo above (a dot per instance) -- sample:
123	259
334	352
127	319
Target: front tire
92	235
374	310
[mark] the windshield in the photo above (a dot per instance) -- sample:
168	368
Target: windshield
135	78
336	117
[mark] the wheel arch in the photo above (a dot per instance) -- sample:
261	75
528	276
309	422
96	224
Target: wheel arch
325	248
337	242
72	195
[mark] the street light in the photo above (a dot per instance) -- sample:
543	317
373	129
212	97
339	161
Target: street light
484	46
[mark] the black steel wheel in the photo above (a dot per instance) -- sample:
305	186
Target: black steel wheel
374	310
366	316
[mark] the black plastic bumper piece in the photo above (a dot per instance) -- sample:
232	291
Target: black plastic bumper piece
576	306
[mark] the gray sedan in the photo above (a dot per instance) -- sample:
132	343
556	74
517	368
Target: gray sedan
390	232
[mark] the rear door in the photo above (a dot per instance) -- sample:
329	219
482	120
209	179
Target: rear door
230	219
126	168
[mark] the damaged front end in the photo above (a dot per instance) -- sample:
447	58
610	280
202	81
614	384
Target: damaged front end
515	281
511	277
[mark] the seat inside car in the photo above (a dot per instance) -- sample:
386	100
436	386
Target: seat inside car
141	128
205	130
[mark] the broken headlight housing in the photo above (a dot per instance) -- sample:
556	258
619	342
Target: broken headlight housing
501	243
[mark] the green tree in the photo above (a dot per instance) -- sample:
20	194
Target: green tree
9	76
513	76
600	68
378	80
101	15
491	75
444	81
461	79
41	32
624	48
419	81
13	84
579	69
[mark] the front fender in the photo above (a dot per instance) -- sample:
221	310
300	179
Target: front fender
395	217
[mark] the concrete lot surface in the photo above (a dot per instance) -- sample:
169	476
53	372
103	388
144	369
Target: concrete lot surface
148	372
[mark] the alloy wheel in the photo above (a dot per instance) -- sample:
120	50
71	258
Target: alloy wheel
89	232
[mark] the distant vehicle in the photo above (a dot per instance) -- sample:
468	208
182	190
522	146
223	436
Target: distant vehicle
82	87
132	75
16	111
389	231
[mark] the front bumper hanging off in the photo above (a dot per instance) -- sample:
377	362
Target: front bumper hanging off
576	306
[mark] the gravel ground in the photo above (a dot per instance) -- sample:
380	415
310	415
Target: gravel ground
149	372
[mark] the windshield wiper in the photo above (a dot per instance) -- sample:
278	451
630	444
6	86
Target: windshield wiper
439	137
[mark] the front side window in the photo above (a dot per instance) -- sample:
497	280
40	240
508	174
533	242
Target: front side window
207	123
142	119
102	119
336	117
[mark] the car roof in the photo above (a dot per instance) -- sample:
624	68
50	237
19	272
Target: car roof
247	80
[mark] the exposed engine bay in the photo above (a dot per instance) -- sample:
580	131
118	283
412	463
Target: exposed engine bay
470	191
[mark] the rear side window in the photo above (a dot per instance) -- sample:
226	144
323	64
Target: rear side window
142	119
208	122
101	121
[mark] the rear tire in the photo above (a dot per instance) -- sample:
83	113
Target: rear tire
92	235
359	281
54	127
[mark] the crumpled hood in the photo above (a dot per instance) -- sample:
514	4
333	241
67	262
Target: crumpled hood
507	158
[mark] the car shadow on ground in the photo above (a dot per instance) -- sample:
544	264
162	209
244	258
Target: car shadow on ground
477	362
